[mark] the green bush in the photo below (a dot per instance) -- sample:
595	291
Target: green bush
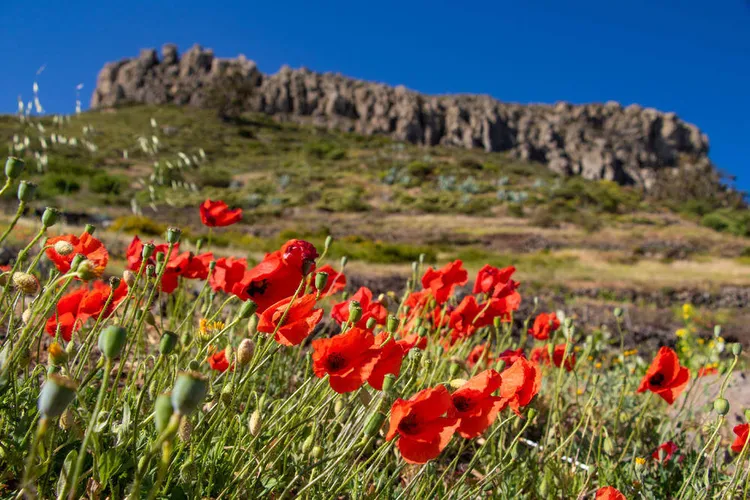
55	184
214	177
324	150
107	184
357	248
138	224
736	222
420	169
344	200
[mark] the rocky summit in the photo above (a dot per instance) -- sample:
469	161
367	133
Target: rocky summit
629	145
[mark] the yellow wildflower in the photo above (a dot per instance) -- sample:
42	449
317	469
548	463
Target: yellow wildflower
598	366
681	332
688	311
640	460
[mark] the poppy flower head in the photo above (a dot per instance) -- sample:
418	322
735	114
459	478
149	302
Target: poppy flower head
510	356
609	493
480	354
468	317
665	452
544	324
268	282
665	377
88	246
227	273
387	359
520	383
442	282
345	357
300	320
218	361
541	355
475	406
421	424
490	278
741	431
370	309
300	254
218	214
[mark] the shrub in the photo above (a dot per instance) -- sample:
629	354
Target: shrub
54	184
138	224
214	177
107	184
324	150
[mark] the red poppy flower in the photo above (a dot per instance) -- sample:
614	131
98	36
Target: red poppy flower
442	282
298	324
412	340
134	253
346	358
544	324
218	361
705	371
387	357
609	493
668	448
66	318
741	431
665	377
370	309
510	356
475	406
86	245
218	214
92	304
74	308
468	317
278	275
417	300
520	383
421	425
541	355
489	279
228	272
335	284
480	354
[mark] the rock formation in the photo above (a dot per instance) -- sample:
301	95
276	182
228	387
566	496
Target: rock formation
597	141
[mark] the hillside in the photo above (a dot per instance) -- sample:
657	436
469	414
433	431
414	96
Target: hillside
592	243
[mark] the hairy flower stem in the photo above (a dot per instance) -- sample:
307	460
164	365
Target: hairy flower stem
19	213
41	429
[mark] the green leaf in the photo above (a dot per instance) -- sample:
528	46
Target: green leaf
66	470
109	464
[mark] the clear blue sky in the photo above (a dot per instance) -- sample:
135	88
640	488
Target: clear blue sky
687	56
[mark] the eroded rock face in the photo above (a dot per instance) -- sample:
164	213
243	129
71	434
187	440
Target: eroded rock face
597	141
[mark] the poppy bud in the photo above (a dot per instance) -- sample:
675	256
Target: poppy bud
26	191
147	316
147	250
194	365
245	352
49	217
189	390
422	332
255	423
717	331
252	325
550	350
736	348
13	167
89	228
26	316
344	260
371	322
247	309
391	323
497	322
226	394
453	371
721	406
162	411
338	406
388	383
25	282
150	271
308	443
514	453
328	242
618	312
316	453
167	342
185	430
57	355
56	394
374	423
355	311
112	340
414	267
321	280
86	270
173	235
531	414
129	278
609	447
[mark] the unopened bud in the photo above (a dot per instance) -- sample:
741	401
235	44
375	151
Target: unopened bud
162	411
374	423
307	444
26	316
618	312
717	331
227	393
736	348
388	383
531	414
391	323
355	311
55	396
321	280
371	322
328	242
26	191
245	352
49	216
453	370
252	325
167	342
26	283
497	322
316	453
255	423
721	406
114	282
112	340
247	309
194	365
189	391
13	167
338	406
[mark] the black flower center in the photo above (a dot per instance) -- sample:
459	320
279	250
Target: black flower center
256	288
335	361
408	425
657	379
461	403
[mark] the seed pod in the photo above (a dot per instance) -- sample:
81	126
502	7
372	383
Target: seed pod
355	311
226	394
245	352
321	280
162	411
255	423
391	323
112	340
167	342
26	191
736	348
86	270
57	355
26	283
185	430
388	383
531	414
49	217
194	365
374	423
252	324
316	453
56	394
14	167
90	228
247	309
173	235
147	251
26	316
151	271
129	278
371	322
189	391
721	406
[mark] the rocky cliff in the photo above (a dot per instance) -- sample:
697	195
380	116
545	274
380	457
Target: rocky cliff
597	141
